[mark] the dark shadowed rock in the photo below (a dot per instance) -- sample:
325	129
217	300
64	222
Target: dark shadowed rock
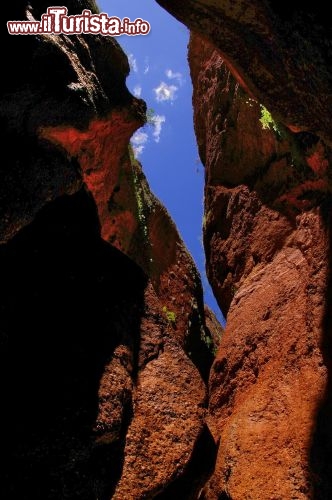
105	353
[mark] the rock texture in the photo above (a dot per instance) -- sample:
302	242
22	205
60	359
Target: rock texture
104	349
281	53
266	235
55	81
105	345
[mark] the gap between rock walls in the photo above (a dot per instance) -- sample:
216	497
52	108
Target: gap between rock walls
117	381
166	145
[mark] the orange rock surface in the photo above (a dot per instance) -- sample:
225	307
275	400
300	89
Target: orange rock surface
266	236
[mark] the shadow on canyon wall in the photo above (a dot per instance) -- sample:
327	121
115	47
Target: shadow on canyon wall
69	300
320	459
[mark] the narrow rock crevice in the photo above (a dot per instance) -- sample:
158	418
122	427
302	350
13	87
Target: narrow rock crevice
196	473
106	348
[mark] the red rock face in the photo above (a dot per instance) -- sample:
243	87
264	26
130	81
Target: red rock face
266	235
280	53
105	352
104	339
134	221
169	395
99	151
55	82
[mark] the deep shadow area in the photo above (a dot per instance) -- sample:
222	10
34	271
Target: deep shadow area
321	449
68	299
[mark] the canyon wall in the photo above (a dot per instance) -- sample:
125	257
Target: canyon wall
267	240
105	354
262	106
105	342
266	236
280	52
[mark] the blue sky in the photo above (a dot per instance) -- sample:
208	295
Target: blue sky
167	148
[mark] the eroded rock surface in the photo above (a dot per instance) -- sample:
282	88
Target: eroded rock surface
280	53
104	350
266	235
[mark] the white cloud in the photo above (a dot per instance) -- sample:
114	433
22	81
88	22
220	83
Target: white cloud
139	137
137	91
165	92
157	121
132	63
138	150
147	66
174	76
138	141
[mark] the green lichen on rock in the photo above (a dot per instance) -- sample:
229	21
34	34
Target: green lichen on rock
170	316
267	121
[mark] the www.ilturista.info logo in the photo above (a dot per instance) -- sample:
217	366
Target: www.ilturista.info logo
56	22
